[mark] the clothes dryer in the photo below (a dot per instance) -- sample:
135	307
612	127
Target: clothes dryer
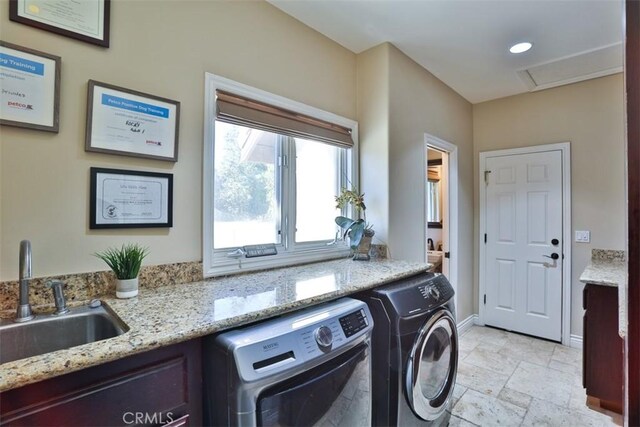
414	351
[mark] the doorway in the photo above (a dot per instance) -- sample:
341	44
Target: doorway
437	220
525	259
441	207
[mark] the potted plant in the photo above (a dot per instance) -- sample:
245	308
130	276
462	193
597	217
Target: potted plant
125	263
360	232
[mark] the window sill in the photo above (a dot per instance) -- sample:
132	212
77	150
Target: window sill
228	267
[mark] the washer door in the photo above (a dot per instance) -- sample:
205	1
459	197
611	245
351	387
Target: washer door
432	366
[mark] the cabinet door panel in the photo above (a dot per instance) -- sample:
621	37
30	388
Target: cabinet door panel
603	348
152	388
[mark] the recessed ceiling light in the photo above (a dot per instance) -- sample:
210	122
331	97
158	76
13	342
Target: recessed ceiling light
520	47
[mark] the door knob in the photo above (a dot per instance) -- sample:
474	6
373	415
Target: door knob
555	242
554	256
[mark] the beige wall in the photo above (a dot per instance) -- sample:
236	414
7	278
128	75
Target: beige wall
419	104
373	120
163	50
590	116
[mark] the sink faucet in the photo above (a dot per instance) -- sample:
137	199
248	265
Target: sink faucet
24	308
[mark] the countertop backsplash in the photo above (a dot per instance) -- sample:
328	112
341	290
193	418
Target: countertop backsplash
85	286
608	255
82	287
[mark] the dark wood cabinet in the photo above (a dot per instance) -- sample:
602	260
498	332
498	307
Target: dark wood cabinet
602	354
158	387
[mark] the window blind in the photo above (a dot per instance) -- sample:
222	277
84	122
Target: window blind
231	108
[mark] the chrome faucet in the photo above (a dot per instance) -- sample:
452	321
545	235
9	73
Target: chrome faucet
24	308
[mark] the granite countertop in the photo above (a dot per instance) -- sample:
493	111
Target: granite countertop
609	268
170	314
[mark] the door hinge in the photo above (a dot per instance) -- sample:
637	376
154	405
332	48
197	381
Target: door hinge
447	255
283	161
485	238
485	299
486	177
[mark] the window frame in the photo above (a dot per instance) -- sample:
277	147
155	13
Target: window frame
214	263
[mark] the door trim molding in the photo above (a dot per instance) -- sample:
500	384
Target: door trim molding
565	149
452	179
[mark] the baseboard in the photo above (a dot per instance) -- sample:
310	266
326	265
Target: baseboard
575	341
467	323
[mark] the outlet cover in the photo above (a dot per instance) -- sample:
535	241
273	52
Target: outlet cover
583	236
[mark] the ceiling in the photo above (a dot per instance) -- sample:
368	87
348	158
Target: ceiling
465	42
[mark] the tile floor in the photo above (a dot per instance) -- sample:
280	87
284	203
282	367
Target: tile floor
508	379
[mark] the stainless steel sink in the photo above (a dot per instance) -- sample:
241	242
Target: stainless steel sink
47	333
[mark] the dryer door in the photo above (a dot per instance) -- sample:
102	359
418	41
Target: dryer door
432	366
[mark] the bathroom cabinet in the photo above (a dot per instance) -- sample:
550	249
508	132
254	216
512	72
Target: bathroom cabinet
602	354
158	387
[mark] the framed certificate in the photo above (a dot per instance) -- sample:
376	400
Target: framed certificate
86	20
130	123
130	199
29	88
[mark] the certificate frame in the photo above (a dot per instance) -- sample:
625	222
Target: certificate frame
107	103
105	208
20	12
48	93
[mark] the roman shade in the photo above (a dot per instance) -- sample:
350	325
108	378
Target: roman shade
234	109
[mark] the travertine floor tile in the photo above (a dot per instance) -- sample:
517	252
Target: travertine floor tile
492	361
480	379
483	334
578	403
458	391
512	396
568	355
546	383
459	422
484	410
542	383
528	350
544	413
566	367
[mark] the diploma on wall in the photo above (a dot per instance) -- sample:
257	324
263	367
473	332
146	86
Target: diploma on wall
130	199
86	20
126	122
29	88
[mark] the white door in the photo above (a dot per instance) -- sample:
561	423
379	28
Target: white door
523	283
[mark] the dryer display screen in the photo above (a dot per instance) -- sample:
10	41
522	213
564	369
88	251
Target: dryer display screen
354	323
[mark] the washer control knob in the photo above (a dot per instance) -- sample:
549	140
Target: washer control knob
324	337
434	293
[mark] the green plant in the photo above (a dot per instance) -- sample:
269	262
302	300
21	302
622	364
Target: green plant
356	229
126	261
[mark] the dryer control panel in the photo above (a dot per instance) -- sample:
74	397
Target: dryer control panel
419	293
436	290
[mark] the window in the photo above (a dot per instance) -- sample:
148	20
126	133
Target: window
272	169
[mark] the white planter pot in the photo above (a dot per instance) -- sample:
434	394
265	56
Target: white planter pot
127	288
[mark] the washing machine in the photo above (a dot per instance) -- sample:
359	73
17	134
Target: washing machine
311	367
414	351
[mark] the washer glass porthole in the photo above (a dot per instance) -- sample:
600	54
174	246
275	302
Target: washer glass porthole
432	367
435	363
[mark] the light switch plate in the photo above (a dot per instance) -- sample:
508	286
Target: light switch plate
583	236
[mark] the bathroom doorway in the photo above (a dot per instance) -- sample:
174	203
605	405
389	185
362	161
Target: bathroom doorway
436	220
441	210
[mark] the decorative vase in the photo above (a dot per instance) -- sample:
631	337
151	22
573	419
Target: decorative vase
127	288
362	251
